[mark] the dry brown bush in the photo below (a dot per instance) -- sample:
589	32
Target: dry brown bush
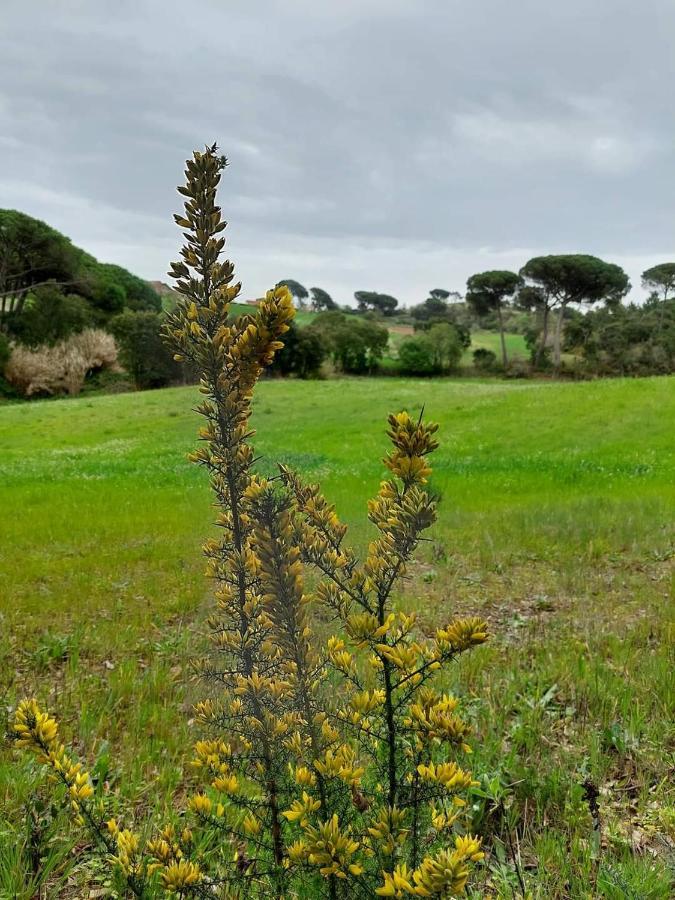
63	367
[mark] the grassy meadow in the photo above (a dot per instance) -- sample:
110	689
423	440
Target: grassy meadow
556	523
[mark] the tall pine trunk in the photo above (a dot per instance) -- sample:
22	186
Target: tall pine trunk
501	335
557	339
541	349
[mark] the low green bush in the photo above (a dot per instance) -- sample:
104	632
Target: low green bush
142	351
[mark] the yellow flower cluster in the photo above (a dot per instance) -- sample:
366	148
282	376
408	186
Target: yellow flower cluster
38	731
180	875
442	875
328	848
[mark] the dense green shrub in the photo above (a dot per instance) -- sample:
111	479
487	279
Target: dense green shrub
356	344
435	351
484	360
49	316
142	351
416	356
303	353
625	340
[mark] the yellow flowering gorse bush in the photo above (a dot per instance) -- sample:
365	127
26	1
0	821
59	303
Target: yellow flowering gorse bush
329	764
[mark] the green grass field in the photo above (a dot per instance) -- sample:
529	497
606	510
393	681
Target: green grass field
556	523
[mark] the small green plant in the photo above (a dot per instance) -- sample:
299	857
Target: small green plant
330	765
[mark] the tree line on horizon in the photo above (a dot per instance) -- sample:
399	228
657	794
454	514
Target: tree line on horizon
51	291
553	289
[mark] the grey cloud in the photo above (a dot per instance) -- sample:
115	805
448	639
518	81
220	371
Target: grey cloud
393	145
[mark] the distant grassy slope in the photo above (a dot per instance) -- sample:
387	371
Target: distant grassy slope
490	340
515	344
555	522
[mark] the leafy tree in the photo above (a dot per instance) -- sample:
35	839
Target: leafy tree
574	278
385	304
355	344
434	307
321	300
447	345
31	254
660	279
49	316
436	310
298	291
441	293
142	351
488	292
429	352
303	353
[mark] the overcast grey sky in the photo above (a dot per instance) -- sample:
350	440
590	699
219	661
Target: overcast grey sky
393	145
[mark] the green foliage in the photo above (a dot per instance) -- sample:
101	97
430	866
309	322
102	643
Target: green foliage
431	352
49	316
37	263
660	279
484	360
436	310
416	356
142	351
622	340
108	297
356	344
136	294
31	254
321	300
303	353
570	278
577	278
487	291
447	343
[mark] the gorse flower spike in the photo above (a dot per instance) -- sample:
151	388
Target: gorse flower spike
329	765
